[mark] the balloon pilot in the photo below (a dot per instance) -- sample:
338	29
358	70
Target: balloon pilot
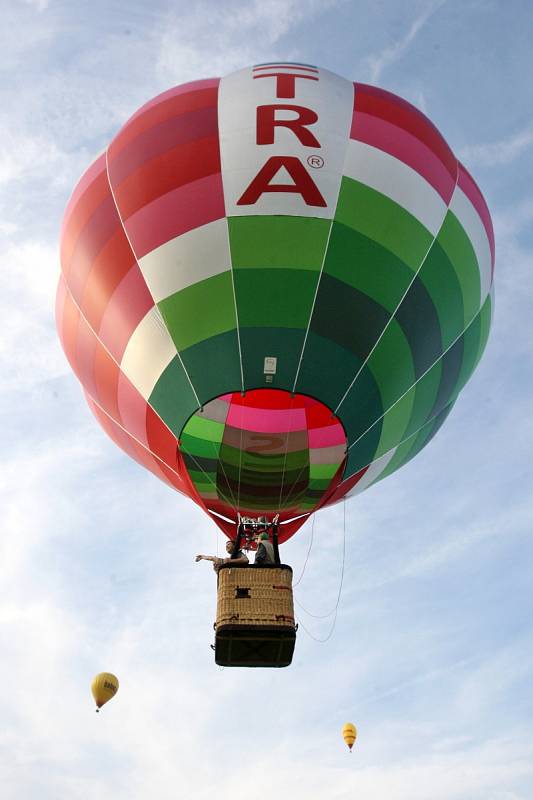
238	559
255	532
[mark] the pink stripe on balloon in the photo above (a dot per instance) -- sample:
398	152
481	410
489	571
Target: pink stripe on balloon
129	304
88	177
262	420
132	407
134	449
176	212
326	437
185	88
84	356
406	147
472	191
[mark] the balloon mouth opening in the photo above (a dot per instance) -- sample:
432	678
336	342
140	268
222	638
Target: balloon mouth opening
266	451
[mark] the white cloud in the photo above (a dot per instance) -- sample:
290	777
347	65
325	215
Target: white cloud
498	154
40	5
29	348
216	39
377	64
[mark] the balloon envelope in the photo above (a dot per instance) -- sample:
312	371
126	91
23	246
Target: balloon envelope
349	734
103	687
274	286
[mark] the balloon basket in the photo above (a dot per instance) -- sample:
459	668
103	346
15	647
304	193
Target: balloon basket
255	617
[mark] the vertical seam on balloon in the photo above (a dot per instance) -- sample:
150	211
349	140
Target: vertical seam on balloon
476	315
112	357
240	460
325	248
394	448
135	439
393	315
219	493
225	498
144	279
229	244
289	425
233	288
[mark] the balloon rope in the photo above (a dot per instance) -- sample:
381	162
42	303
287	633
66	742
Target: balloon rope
335	610
217	489
291	409
308	552
240	462
423	375
294	484
394	314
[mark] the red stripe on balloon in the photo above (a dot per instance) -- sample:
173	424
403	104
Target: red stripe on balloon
100	228
160	439
185	163
110	267
133	449
405	147
90	192
394	109
84	355
345	487
128	305
132	407
161	138
178	100
391	124
106	375
176	212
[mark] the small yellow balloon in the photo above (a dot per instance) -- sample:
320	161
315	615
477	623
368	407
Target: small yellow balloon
349	734
104	687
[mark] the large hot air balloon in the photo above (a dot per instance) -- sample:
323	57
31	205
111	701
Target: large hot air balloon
274	287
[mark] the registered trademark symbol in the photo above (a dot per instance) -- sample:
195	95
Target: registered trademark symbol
315	161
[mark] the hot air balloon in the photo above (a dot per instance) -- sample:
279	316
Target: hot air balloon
274	286
103	688
349	734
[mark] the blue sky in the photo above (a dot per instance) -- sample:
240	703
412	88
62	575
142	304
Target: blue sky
432	653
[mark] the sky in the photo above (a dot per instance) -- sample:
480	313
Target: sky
431	651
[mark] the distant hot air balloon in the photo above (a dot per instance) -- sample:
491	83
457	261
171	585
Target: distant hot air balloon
274	287
104	687
349	734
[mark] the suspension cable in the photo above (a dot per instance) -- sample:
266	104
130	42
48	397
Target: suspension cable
308	552
217	490
291	409
335	610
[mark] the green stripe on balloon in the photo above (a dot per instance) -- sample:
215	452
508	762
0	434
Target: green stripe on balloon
269	242
367	266
274	298
214	365
458	248
440	278
172	397
200	311
381	219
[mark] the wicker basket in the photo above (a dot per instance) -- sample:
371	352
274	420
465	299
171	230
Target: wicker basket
255	617
248	595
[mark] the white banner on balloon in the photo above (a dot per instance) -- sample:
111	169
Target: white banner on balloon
284	131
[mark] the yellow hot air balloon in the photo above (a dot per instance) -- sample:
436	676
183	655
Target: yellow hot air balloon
349	734
104	687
